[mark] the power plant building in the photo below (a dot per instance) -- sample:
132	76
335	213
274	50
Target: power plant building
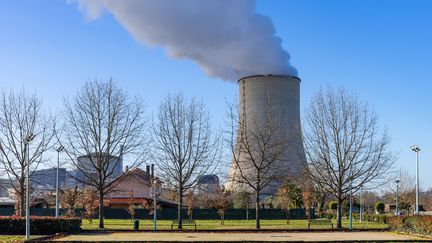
88	164
274	99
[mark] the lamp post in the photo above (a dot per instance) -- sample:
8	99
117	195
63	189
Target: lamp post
154	190
350	206
416	149
397	197
59	149
361	204
27	141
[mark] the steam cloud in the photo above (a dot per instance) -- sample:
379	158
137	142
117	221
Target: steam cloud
226	38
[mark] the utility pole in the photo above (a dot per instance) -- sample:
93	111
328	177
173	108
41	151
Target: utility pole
59	149
361	204
350	206
27	141
397	197
154	189
416	149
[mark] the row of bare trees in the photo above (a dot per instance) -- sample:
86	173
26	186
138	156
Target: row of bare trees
345	150
102	122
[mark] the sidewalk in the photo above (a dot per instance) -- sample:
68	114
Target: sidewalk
308	236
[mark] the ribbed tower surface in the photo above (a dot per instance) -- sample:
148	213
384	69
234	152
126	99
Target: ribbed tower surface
279	96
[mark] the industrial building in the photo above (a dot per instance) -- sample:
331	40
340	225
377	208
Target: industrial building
276	98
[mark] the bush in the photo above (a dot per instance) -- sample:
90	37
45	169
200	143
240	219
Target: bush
378	218
418	224
39	225
327	215
333	205
379	207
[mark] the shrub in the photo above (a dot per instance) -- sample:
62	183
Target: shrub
418	224
379	207
39	225
395	222
333	205
378	218
327	215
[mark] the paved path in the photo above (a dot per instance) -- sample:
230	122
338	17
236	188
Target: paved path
283	236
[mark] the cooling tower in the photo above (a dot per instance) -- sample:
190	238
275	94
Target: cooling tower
274	98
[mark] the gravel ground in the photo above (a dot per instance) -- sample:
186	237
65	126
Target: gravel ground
307	236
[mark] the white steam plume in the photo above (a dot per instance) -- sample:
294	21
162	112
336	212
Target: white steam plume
226	38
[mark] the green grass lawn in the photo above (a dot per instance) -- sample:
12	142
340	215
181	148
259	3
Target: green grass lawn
15	238
115	224
11	238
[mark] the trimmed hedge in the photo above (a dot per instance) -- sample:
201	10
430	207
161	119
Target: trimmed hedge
417	224
379	218
39	225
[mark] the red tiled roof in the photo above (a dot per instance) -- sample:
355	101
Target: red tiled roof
111	201
138	173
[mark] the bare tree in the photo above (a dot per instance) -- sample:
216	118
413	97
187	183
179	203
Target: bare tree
103	124
89	203
186	147
149	205
71	199
289	196
222	202
191	201
131	205
344	146
406	190
20	117
257	148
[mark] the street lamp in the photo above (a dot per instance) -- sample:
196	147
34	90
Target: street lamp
361	204
416	149
397	197
27	141
350	206
154	190
59	149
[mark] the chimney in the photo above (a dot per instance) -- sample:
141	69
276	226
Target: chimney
127	168
284	94
152	171
148	169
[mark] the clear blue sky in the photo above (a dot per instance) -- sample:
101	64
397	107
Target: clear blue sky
381	50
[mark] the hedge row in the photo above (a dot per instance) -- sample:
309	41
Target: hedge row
39	225
417	224
379	218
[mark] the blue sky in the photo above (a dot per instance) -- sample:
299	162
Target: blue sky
380	50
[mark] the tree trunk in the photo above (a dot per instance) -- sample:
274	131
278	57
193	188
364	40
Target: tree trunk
322	203
101	210
180	209
21	203
339	212
247	212
257	210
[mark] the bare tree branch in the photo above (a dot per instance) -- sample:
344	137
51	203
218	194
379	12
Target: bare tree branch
103	124
21	115
186	147
344	146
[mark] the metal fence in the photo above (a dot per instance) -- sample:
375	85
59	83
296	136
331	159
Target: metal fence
171	213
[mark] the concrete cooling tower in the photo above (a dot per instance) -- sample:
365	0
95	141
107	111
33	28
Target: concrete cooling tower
276	96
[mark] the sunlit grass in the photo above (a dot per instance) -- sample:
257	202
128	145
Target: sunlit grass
11	238
116	224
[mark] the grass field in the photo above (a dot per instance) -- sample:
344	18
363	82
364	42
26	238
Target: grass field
11	238
116	224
